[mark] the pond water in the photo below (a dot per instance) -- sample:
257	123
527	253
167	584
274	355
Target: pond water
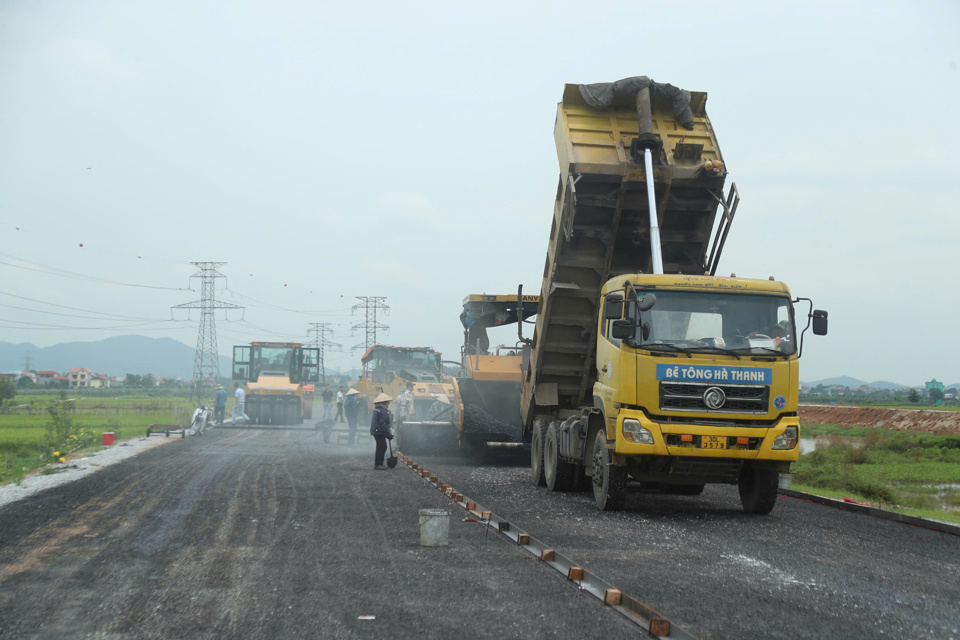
808	445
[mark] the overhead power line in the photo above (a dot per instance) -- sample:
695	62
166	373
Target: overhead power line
63	273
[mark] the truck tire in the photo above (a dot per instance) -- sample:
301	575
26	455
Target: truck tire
758	490
536	452
557	473
609	480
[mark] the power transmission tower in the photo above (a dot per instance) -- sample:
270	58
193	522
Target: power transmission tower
320	331
206	365
370	305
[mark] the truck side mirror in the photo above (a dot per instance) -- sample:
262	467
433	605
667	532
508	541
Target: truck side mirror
819	322
613	308
623	329
646	302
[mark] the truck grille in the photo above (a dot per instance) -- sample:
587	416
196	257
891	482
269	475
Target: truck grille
689	396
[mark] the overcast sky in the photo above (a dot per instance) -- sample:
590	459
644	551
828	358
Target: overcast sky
331	150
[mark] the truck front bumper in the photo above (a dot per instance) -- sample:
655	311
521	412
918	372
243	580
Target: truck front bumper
668	439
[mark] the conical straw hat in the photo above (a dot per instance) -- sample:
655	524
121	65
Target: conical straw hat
382	398
352	392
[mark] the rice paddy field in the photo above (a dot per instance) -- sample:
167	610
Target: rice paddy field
29	434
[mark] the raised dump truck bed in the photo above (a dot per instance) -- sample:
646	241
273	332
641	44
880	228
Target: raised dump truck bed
601	228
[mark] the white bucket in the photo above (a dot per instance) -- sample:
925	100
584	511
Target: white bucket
434	527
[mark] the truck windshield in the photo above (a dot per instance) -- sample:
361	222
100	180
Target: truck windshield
711	322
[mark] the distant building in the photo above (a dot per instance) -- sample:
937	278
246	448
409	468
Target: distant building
46	377
99	381
934	384
80	377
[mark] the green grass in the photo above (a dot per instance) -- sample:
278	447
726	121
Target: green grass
24	445
846	430
895	470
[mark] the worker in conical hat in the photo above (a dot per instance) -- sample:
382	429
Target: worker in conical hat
380	428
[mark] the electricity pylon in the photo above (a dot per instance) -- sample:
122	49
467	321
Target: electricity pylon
370	305
206	365
320	331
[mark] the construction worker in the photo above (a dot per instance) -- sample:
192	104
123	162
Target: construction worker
241	397
339	416
219	404
404	405
380	428
351	407
327	398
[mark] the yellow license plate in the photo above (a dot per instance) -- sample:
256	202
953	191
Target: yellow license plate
713	442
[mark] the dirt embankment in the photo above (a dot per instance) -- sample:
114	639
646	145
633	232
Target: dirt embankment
919	420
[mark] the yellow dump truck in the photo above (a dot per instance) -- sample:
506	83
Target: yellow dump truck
278	379
647	369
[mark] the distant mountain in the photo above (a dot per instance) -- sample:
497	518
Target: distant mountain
854	383
883	384
115	356
842	381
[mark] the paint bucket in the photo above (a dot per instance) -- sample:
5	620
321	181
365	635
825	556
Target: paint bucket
434	527
108	437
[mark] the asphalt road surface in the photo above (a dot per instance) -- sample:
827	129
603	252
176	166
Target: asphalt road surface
268	534
804	571
273	534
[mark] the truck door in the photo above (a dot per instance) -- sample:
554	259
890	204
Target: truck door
608	356
241	363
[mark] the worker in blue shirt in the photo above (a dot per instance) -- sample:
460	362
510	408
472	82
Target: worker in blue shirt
219	404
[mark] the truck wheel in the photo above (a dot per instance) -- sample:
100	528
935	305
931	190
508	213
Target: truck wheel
609	480
557	473
536	453
758	490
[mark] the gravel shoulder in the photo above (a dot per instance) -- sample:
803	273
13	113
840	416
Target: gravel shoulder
76	467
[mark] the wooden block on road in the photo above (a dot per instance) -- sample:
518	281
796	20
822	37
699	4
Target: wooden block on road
659	627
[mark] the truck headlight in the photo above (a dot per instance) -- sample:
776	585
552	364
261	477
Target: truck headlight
786	440
633	432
